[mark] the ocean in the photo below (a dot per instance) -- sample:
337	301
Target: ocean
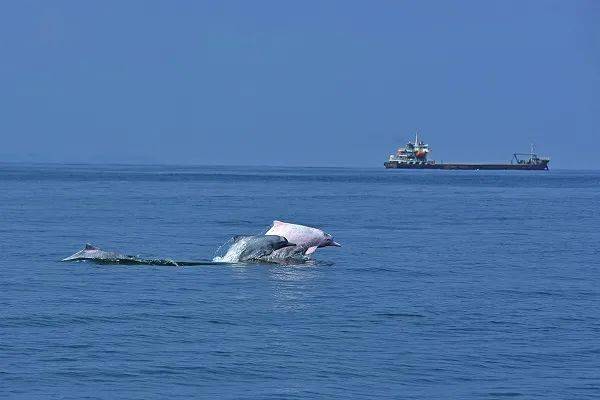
449	284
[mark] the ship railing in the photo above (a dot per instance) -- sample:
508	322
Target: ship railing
528	158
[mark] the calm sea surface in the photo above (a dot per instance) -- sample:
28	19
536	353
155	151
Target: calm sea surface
450	285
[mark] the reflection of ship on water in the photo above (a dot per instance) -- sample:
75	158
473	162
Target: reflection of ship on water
414	156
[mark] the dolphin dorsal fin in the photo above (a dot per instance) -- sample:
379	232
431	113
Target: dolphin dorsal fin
90	247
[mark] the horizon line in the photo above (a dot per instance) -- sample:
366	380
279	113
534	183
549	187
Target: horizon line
167	164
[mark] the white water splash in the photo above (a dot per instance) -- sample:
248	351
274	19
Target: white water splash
233	253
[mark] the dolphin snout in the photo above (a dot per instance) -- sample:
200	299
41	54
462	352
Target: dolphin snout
336	244
289	244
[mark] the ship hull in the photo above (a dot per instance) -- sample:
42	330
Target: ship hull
519	167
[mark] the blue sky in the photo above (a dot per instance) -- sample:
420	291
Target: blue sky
298	83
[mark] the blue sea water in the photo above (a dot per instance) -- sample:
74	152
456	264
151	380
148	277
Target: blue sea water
449	285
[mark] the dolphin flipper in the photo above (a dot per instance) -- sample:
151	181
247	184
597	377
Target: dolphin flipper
311	250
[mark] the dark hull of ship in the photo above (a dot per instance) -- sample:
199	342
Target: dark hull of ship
520	167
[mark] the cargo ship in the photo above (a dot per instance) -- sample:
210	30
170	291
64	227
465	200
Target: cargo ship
414	156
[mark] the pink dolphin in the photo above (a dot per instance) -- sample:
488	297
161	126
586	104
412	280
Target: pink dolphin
303	236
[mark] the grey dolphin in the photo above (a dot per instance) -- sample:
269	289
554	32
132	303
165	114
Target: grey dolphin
92	253
288	255
253	248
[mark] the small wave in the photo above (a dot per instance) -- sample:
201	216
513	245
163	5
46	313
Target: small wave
400	315
221	322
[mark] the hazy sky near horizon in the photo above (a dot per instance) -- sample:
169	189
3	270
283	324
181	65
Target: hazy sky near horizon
298	83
